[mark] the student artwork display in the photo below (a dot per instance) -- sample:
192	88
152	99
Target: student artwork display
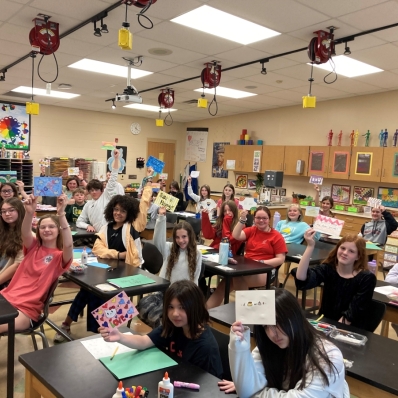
196	144
165	200
115	312
282	192
44	162
316	161
73	171
373	202
388	196
328	225
361	195
47	186
341	193
255	307
363	165
251	184
122	159
110	145
256	161
15	127
155	163
340	162
241	180
218	169
8	176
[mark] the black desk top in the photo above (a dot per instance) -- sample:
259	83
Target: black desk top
295	250
382	297
7	311
94	276
69	370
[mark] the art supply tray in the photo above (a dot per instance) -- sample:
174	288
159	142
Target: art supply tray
348	337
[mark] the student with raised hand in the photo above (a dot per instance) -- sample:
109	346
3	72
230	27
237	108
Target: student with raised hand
291	359
21	188
47	256
203	201
12	214
228	193
92	216
326	204
175	191
381	225
347	283
185	329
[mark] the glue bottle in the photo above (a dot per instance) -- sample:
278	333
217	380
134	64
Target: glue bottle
119	390
165	388
84	256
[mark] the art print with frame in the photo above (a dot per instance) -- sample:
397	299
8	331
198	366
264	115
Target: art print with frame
361	195
388	196
341	193
15	126
282	192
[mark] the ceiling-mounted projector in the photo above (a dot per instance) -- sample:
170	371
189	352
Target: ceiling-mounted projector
130	96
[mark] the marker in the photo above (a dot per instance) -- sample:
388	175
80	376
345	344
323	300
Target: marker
114	352
192	386
138	391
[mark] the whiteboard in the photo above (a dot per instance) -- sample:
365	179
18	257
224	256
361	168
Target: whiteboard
196	144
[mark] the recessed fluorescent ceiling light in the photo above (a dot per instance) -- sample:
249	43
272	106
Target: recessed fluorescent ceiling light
151	108
219	23
42	91
349	67
108	69
226	92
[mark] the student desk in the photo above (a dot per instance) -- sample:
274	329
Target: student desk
69	370
7	315
150	229
374	370
391	314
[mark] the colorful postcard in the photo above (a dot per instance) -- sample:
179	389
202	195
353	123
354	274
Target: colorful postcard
8	176
328	225
156	164
311	211
251	184
44	162
255	307
47	186
374	202
362	194
163	176
115	312
73	171
165	200
318	180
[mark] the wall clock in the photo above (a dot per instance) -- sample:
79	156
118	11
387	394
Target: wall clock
135	128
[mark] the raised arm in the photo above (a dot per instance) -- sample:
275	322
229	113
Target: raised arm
159	235
83	220
141	220
207	229
30	208
21	186
67	250
133	340
316	199
193	195
305	260
238	233
391	222
110	188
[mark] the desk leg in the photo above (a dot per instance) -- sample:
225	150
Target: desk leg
35	388
10	359
227	289
384	328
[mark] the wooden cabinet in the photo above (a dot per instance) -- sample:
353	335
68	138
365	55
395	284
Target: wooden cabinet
339	162
352	224
273	158
366	163
318	161
390	166
292	155
243	156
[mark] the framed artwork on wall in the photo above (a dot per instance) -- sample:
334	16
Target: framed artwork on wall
282	192
388	196
361	195
340	162
241	181
341	193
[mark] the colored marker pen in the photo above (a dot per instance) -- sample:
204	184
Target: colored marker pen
192	386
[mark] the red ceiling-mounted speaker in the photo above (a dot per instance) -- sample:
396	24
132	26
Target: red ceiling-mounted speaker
166	98
45	36
138	3
321	47
211	75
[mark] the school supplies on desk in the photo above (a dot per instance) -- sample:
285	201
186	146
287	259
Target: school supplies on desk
372	246
115	312
323	327
348	337
129	281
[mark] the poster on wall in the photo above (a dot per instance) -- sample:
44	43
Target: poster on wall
122	158
14	126
218	170
196	144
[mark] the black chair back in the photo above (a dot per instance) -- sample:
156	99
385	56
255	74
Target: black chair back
375	315
223	341
196	224
153	259
171	217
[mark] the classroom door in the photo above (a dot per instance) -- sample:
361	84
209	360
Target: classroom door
164	151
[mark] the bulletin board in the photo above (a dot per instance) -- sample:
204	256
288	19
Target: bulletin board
196	144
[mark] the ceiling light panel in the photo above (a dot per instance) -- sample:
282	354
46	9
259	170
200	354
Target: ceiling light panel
150	108
227	92
42	92
219	23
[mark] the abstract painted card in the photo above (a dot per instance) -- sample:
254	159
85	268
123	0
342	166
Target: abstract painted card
115	312
47	186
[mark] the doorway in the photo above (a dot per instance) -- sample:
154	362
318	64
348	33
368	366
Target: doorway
164	151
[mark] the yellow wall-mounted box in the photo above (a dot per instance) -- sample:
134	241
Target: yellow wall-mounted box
202	103
309	101
159	123
32	108
125	41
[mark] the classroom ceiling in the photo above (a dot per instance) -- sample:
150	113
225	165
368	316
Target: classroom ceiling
284	85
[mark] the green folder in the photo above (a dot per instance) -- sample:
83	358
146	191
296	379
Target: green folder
129	281
136	362
372	246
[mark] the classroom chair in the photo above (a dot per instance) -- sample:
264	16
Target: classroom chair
153	259
196	224
375	313
37	328
223	341
304	295
171	217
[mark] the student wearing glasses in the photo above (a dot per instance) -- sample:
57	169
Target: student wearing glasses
8	190
263	244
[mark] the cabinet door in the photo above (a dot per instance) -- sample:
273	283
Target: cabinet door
318	161
247	157
292	155
366	164
390	165
339	162
231	152
273	158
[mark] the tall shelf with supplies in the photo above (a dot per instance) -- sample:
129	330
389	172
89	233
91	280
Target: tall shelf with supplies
23	167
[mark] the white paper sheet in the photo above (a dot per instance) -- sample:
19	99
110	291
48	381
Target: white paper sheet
386	289
255	307
311	211
211	257
99	348
203	247
185	214
195	173
328	225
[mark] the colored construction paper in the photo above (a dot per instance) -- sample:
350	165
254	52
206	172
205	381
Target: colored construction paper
129	281
156	164
372	246
47	186
134	363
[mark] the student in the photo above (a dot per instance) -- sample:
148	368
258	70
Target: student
382	224
263	244
21	188
71	184
392	277
223	227
185	330
119	239
152	212
325	205
12	215
347	283
175	191
119	187
92	216
74	210
292	229
228	193
47	256
291	359
204	201
8	190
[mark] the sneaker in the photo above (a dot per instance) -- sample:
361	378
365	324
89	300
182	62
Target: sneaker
58	338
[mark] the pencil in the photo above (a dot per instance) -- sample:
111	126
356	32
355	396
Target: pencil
319	318
114	352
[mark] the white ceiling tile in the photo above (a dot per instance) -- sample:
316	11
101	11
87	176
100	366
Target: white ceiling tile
8	9
384	56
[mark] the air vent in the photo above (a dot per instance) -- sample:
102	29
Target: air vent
192	101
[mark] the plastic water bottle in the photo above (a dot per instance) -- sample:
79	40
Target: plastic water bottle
277	218
372	265
84	256
223	251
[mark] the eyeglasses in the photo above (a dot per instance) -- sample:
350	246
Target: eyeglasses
118	210
261	218
43	227
6	191
8	211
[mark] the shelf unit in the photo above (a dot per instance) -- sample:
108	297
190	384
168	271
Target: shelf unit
24	169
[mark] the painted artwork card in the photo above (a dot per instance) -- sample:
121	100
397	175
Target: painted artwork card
364	163
374	202
109	145
8	176
341	193
361	195
47	186
388	196
73	171
316	161
328	225
156	164
155	186
318	180
163	176
115	312
251	184
312	211
340	162
122	159
44	162
241	180
165	200
255	307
